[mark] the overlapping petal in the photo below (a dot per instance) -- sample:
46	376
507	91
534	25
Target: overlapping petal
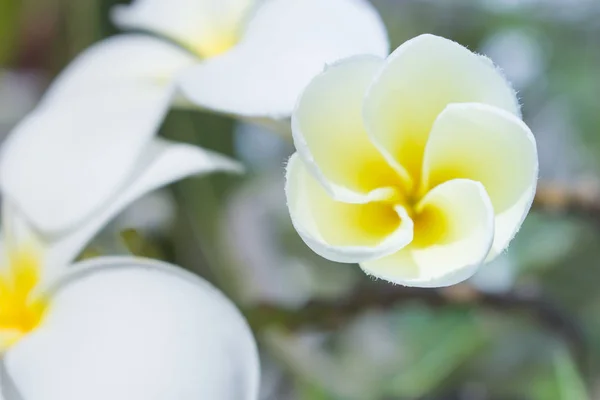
286	43
68	157
339	231
128	329
163	162
419	80
207	27
454	231
330	137
491	146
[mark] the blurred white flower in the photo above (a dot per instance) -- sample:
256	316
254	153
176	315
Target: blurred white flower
418	167
248	57
113	328
243	57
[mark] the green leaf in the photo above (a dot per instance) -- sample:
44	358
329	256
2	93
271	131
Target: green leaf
138	245
313	392
569	381
9	24
447	342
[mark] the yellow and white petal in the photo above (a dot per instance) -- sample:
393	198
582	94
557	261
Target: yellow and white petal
330	136
491	146
162	163
453	234
130	329
339	231
16	234
207	27
286	44
71	154
21	270
419	80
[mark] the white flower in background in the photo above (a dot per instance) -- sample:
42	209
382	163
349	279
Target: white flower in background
113	328
418	167
250	58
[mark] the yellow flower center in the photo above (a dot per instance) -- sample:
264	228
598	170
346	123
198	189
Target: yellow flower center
430	223
218	43
20	310
222	30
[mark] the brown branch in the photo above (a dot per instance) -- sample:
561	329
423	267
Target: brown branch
582	199
375	295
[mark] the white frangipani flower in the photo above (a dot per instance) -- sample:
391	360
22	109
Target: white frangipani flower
119	328
418	167
252	58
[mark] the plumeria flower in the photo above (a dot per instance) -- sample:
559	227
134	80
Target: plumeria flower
111	328
119	328
250	58
418	167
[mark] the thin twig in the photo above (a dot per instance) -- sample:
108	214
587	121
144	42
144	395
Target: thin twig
581	199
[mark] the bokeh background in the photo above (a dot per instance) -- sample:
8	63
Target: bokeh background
525	327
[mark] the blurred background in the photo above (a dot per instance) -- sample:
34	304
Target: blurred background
525	327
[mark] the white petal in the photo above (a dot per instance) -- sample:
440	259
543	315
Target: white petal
121	62
16	231
129	329
343	232
286	44
329	133
489	145
450	243
161	163
204	26
419	80
69	156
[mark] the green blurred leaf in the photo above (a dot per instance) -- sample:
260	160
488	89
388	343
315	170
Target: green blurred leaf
138	245
569	382
446	342
544	241
89	252
9	24
313	392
